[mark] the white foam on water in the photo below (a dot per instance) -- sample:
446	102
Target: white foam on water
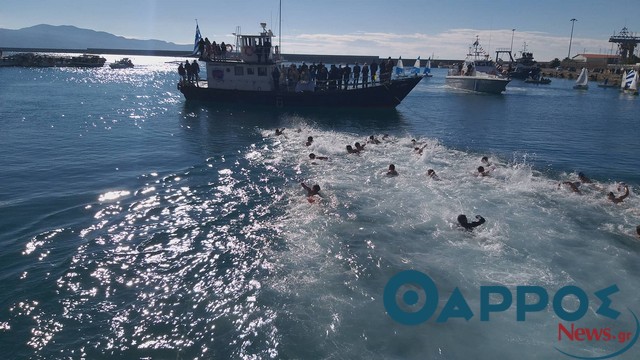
368	226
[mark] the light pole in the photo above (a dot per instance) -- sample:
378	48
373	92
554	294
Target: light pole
573	21
513	31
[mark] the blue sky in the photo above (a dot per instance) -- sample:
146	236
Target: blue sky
406	28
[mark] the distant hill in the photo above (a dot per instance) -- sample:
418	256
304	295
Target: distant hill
70	37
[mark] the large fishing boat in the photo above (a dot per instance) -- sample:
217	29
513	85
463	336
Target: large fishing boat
251	73
477	73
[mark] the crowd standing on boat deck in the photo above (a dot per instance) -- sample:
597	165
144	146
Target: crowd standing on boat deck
189	73
482	171
293	77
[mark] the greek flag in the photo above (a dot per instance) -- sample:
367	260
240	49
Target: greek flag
195	43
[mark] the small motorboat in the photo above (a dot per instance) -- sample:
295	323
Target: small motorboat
123	63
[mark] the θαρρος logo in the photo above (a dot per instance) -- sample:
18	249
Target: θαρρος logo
403	292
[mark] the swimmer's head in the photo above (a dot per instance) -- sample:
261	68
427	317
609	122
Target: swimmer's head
316	188
485	159
611	195
480	169
392	167
638	230
431	172
462	219
312	156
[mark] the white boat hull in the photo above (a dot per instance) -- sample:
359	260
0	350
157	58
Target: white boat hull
479	84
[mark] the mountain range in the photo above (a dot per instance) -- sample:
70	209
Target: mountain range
70	37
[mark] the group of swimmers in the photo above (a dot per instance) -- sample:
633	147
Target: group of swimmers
482	171
583	179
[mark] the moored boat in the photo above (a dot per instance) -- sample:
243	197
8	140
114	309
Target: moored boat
123	63
540	80
250	74
525	66
86	60
477	73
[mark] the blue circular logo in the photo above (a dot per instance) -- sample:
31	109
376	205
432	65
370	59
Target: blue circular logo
410	297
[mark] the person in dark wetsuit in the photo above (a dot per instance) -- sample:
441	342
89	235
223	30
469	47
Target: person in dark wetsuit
616	200
462	221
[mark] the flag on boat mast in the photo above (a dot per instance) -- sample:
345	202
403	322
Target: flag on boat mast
197	40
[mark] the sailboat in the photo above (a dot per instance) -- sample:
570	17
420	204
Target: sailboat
630	83
415	70
623	81
583	80
427	69
399	68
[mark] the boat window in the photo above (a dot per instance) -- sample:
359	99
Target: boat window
250	71
239	70
262	71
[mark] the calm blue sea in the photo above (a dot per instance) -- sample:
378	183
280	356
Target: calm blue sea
136	226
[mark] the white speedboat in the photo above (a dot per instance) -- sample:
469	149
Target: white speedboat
477	73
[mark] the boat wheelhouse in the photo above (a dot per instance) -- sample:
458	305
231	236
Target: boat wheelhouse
251	73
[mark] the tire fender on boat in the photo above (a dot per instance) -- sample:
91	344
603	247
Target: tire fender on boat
229	47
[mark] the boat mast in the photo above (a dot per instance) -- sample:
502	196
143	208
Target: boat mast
280	31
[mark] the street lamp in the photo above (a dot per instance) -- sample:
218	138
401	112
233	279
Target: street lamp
513	31
573	21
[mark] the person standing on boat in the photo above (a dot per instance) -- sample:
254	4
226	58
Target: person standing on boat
390	66
189	70
356	75
223	50
346	73
365	75
195	69
182	72
374	70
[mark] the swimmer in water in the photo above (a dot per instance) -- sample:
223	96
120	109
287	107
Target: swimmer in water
432	175
373	140
572	186
616	200
313	156
583	178
359	147
419	150
392	171
351	150
315	190
279	132
462	221
482	171
309	141
638	231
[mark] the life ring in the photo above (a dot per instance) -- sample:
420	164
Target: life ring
229	47
248	50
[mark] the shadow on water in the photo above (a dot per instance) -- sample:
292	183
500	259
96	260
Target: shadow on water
223	117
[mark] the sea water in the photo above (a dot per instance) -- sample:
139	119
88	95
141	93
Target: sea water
136	225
